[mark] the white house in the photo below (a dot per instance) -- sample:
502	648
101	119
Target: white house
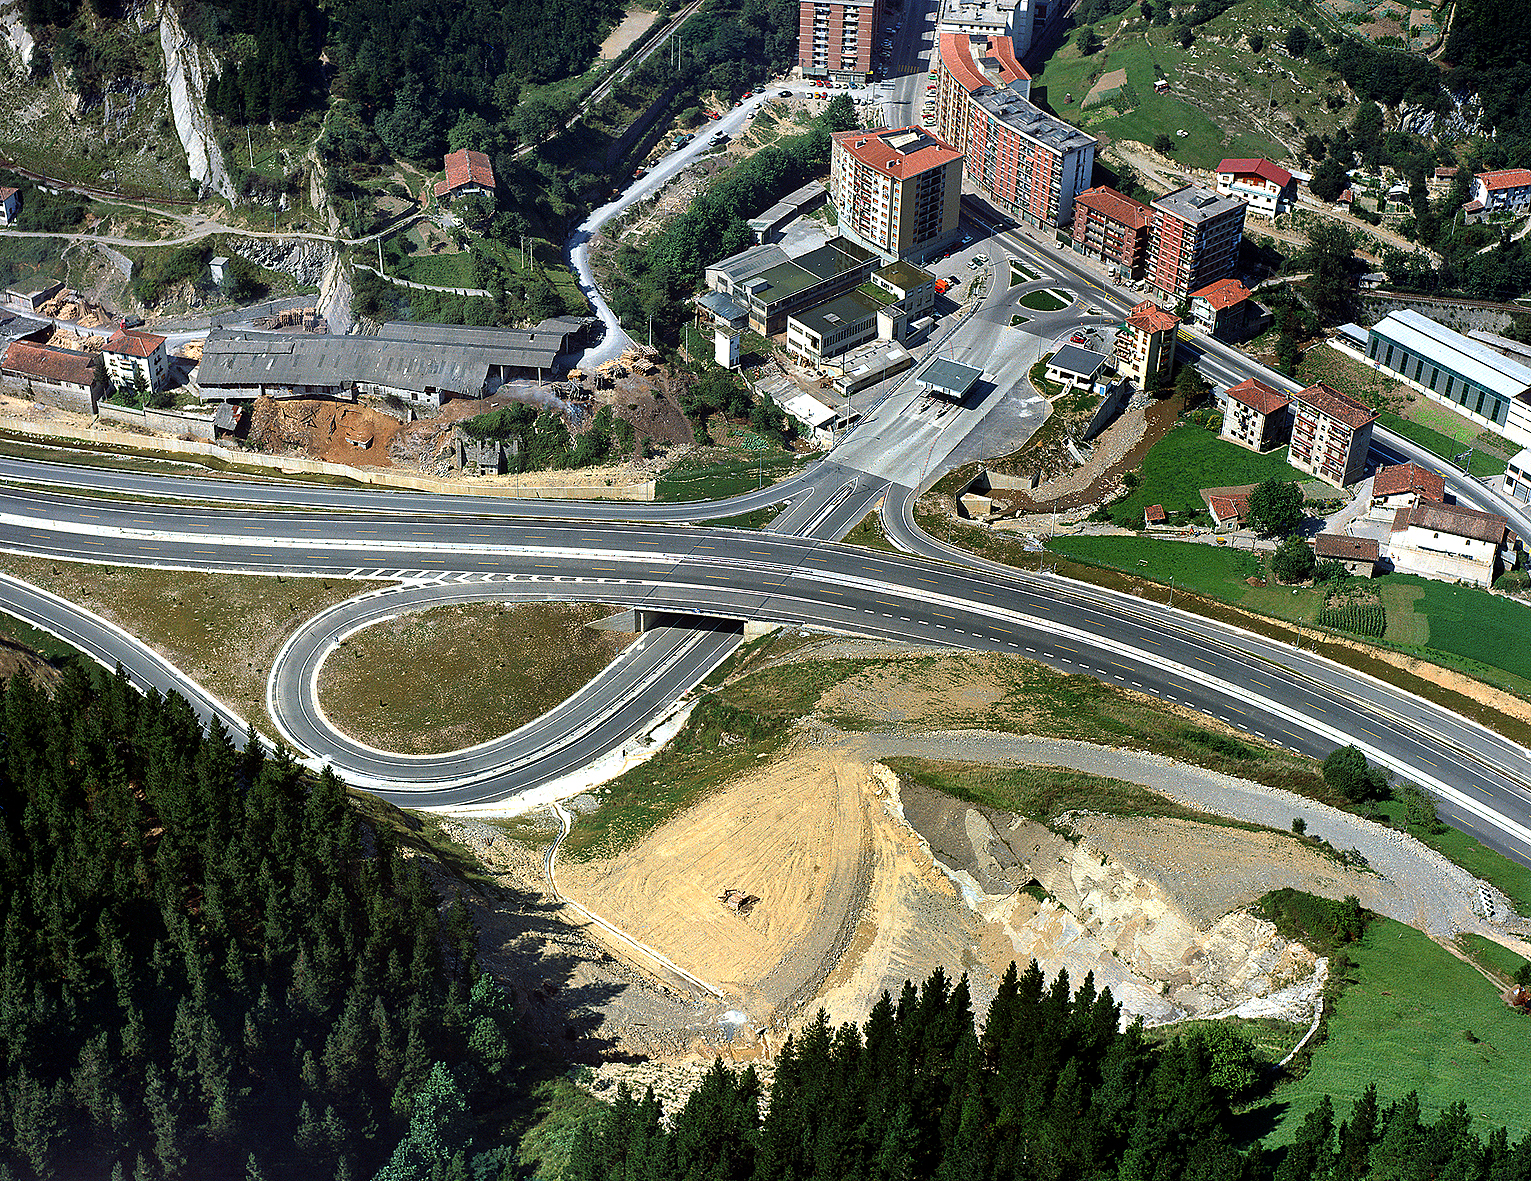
1449	542
1509	189
131	354
10	205
1267	187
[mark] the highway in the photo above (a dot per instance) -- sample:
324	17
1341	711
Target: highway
1268	689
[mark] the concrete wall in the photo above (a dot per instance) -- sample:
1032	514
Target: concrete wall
500	486
175	422
65	398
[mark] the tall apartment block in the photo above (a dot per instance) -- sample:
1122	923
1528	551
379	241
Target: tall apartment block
1113	228
1027	163
898	192
835	38
1194	240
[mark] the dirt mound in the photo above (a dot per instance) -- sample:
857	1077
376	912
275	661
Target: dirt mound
796	835
17	658
332	431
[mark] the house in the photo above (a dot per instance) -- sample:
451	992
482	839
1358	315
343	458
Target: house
61	377
133	355
1449	542
31	294
1145	347
1229	508
1267	187
1331	434
1256	416
1508	190
467	173
1154	515
1344	201
1359	555
1072	366
1221	309
10	206
1403	485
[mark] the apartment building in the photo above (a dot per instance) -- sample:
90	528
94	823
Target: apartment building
898	192
1256	416
132	355
835	38
1011	19
1331	434
1112	228
1145	346
1193	241
1026	162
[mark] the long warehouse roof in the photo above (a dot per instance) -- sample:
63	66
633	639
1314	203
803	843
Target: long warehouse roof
1469	358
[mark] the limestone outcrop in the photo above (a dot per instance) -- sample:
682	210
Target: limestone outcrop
187	66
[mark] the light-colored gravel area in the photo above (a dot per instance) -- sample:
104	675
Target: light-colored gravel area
1414	884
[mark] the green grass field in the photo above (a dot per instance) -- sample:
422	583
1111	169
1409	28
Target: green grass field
1044	300
725	477
1190	458
1494	956
1461	627
1416	1018
1481	464
1146	52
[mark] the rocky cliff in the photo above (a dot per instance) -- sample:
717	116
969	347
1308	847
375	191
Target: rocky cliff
16	36
187	66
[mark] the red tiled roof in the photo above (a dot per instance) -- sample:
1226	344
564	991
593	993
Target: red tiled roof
48	364
1445	173
1408	477
870	149
1150	317
1472	206
957	57
1257	396
1346	548
1506	178
1119	208
465	167
1453	519
1154	514
1345	198
133	342
1328	400
7	194
1262	168
1223	294
1228	508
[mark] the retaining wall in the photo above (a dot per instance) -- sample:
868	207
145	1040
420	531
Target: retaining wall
501	486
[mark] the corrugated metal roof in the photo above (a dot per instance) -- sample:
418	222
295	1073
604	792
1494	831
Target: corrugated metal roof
1469	358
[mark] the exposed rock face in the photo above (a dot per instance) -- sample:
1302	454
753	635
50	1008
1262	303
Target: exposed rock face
302	258
186	82
16	34
334	301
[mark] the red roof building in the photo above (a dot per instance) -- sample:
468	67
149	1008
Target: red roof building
1113	228
1145	347
1267	187
896	191
467	172
1508	190
1359	555
1154	515
131	354
1402	485
134	343
1256	416
1221	308
36	371
1331	434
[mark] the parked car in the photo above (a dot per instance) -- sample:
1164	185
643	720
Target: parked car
720	138
1077	338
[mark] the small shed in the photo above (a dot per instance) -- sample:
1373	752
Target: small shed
1359	555
218	267
1154	515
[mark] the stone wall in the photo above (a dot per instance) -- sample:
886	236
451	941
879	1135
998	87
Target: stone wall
174	422
1459	315
48	394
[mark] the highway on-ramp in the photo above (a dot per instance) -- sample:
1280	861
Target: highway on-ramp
1267	689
